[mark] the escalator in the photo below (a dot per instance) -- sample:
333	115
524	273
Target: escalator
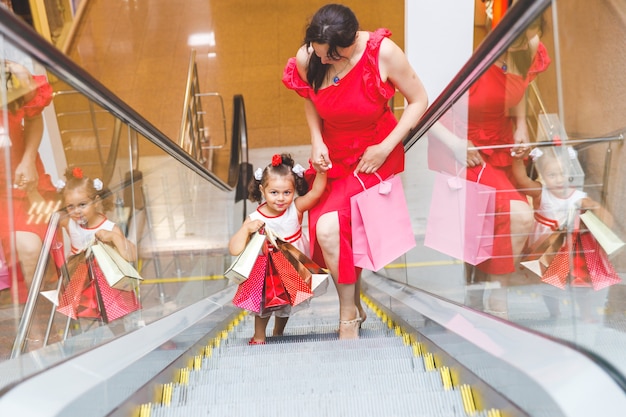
421	351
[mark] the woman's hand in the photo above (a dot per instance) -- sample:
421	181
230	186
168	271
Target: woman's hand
319	158
26	176
372	159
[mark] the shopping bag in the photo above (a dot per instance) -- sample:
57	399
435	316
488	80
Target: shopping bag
250	292
568	265
5	276
113	303
118	272
240	269
381	226
78	298
609	241
275	295
311	273
297	289
461	218
538	256
601	271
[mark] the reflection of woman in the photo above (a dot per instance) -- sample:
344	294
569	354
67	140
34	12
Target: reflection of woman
496	123
26	97
347	77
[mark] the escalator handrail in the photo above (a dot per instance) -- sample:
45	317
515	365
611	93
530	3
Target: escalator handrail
514	22
24	37
239	141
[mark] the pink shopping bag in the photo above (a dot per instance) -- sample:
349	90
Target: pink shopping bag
381	226
461	218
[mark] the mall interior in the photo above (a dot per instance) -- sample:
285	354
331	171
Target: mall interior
168	108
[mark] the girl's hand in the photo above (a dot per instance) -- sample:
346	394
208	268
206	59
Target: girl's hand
254	226
474	158
372	159
320	159
105	236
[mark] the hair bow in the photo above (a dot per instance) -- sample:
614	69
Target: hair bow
535	153
258	174
97	184
298	170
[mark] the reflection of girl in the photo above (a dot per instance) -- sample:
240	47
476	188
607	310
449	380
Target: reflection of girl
496	123
26	96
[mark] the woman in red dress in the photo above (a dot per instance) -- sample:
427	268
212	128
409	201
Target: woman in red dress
347	77
27	183
496	126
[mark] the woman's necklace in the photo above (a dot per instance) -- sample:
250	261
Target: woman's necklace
336	77
502	62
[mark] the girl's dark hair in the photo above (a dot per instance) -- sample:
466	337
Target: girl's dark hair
76	179
334	25
282	165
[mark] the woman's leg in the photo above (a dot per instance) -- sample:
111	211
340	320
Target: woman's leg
327	233
521	219
28	247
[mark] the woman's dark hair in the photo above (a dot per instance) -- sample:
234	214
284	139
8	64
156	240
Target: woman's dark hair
282	166
76	179
523	59
334	25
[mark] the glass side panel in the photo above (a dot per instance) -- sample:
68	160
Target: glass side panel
168	223
532	234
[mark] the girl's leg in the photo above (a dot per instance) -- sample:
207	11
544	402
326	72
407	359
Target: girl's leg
279	325
260	324
357	298
327	232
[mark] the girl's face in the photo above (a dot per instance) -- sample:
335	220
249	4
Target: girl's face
79	206
555	179
279	193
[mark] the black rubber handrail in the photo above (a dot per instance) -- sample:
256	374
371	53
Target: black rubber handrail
24	37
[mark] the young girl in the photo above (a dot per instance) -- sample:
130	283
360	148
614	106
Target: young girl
557	206
85	203
86	206
275	188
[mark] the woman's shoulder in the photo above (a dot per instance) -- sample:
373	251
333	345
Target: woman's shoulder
294	74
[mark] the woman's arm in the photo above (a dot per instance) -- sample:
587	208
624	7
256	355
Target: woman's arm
394	66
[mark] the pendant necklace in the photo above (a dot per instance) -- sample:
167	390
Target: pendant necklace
336	78
504	66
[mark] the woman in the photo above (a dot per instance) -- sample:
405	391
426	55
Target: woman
26	97
496	131
347	77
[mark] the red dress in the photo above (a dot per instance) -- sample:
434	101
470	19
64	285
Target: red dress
16	198
355	115
489	124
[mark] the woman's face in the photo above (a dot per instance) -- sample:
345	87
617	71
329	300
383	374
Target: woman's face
321	50
522	42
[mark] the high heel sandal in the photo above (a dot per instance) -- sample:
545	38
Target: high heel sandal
349	329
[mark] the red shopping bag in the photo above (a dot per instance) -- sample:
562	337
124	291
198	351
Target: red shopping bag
381	225
585	261
275	295
250	292
294	284
601	271
78	297
461	218
114	303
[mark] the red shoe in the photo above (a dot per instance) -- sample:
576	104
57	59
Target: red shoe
255	342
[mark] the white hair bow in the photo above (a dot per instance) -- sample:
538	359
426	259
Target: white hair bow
97	184
258	174
298	170
535	153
